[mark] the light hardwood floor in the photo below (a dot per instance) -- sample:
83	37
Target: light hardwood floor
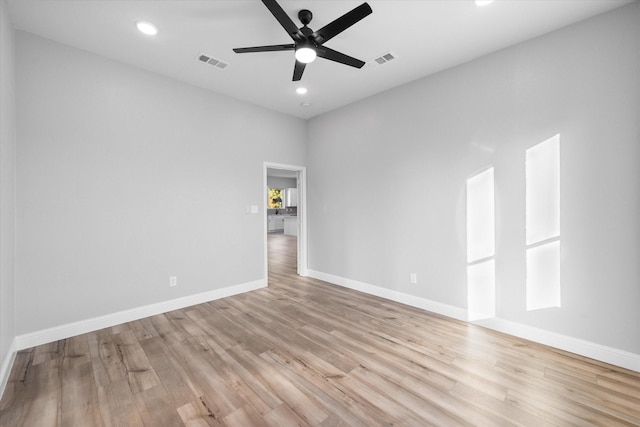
304	352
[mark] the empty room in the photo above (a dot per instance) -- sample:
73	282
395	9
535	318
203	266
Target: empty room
319	213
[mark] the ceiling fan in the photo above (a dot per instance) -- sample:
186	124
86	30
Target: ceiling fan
309	44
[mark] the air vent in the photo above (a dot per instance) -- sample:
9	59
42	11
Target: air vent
383	59
212	61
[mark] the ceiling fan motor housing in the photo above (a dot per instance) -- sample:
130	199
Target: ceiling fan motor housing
305	16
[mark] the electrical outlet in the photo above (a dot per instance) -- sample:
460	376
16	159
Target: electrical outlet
413	278
173	281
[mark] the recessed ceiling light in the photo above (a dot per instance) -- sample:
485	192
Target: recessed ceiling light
483	2
301	90
147	28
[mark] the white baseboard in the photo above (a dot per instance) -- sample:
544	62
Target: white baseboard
89	325
7	363
578	346
401	297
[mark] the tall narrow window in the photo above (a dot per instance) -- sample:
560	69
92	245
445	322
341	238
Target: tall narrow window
481	246
543	224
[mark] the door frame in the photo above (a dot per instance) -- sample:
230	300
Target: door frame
301	181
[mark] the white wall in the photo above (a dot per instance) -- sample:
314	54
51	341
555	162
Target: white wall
120	172
7	193
279	182
125	178
397	163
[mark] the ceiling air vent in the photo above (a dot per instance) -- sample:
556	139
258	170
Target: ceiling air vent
383	59
212	61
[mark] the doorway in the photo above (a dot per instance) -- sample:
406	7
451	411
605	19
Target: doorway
287	178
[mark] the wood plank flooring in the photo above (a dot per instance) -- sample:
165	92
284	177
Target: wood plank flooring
307	353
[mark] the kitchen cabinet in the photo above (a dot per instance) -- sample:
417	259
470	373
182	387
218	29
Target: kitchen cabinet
291	225
291	197
275	223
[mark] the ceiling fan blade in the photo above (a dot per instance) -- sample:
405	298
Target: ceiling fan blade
298	70
339	25
284	19
334	55
272	48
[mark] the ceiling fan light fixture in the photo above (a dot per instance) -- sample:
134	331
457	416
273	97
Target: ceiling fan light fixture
305	53
301	90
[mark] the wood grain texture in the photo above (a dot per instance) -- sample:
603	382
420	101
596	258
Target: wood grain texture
306	353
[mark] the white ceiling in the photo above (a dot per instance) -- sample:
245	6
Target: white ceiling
425	36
